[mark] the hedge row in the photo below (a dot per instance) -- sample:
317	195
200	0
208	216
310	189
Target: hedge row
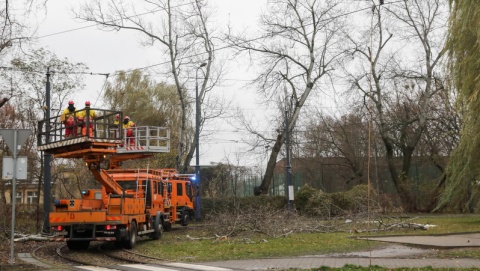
308	201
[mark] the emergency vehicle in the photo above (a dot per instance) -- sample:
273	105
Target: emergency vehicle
131	202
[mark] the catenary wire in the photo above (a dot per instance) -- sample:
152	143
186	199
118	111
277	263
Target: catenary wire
194	55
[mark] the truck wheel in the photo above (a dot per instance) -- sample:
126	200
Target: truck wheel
185	218
118	244
118	239
158	228
78	245
132	236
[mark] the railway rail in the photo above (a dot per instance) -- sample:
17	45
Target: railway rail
103	256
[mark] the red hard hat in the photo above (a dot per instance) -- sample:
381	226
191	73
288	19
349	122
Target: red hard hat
70	102
117	116
126	117
87	103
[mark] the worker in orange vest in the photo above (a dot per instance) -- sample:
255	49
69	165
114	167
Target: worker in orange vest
87	115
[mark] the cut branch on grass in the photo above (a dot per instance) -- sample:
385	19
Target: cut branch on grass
198	238
24	238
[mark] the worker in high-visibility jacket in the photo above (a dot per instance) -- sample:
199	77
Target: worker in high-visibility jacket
116	126
128	130
117	119
87	115
68	119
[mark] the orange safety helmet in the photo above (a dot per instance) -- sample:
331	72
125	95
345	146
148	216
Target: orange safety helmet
70	102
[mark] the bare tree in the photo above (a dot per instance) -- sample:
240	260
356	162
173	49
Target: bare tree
13	32
181	29
399	89
300	45
28	75
345	138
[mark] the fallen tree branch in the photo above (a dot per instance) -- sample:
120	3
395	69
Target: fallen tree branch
199	238
24	238
414	226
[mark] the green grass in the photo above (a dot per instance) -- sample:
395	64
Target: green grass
444	224
349	267
175	245
178	248
451	223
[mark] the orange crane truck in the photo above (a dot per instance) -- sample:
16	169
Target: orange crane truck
131	202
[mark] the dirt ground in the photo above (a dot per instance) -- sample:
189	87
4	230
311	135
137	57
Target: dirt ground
19	247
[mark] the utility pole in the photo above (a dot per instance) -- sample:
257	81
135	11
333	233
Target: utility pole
288	167
47	158
197	145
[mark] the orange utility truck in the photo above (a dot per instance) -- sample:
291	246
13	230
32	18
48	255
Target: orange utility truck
131	202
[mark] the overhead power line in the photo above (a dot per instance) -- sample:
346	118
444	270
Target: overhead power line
113	21
194	55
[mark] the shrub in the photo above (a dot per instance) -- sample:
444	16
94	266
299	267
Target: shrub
303	197
212	206
320	205
312	202
234	216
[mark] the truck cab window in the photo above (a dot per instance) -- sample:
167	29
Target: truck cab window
179	189
128	185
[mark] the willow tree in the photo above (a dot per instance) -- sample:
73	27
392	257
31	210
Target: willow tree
464	64
146	102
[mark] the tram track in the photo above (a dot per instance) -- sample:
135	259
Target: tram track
71	259
106	257
61	258
48	261
125	255
100	255
136	257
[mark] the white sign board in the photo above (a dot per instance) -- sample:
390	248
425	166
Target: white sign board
7	172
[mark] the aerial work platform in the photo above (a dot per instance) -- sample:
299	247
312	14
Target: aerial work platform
100	135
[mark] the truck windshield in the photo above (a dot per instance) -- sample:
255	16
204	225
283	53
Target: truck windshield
128	185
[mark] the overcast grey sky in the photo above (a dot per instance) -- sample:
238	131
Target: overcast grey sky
107	52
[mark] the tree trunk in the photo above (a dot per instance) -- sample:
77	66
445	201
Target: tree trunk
189	157
3	101
438	189
400	180
272	161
